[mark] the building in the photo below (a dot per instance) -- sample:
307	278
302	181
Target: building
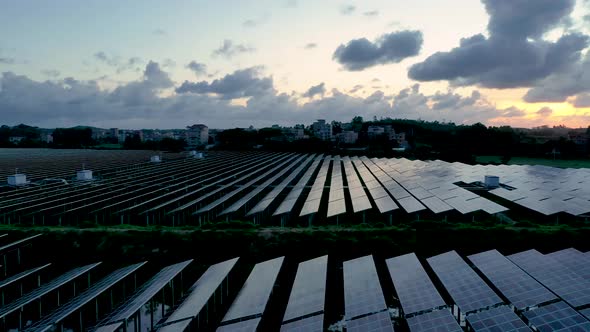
197	135
15	139
322	130
374	131
294	134
348	137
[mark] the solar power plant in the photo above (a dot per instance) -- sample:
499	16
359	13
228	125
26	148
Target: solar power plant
413	286
143	294
199	294
522	290
309	290
496	319
466	288
127	188
18	243
251	301
362	290
568	285
557	317
434	321
574	260
378	322
49	322
17	277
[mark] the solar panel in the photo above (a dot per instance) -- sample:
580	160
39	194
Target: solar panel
496	319
362	290
413	286
521	289
466	288
312	205
586	312
379	322
198	296
557	317
574	260
359	198
571	287
436	205
434	321
253	297
37	293
143	294
243	326
309	289
84	298
22	275
410	204
310	324
19	243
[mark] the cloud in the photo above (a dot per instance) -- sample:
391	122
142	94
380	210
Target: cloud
356	88
51	73
359	54
197	68
347	9
229	49
168	63
133	63
316	90
103	57
514	55
160	32
371	13
582	100
574	79
242	83
290	4
310	46
544	112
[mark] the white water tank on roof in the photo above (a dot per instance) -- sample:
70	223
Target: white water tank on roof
155	159
84	175
17	180
492	181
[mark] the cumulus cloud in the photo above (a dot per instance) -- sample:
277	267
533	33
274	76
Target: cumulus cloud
310	46
318	90
242	83
197	68
359	54
574	79
544	112
347	9
229	49
514	54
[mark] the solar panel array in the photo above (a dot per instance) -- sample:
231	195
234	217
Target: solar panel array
309	290
466	288
528	281
434	321
251	301
237	184
517	286
562	281
413	286
557	317
496	319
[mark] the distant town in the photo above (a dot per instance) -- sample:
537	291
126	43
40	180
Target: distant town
413	138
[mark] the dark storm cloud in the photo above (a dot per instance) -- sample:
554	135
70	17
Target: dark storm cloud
241	83
514	55
197	68
229	49
318	90
359	54
582	100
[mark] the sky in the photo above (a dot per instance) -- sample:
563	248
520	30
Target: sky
235	63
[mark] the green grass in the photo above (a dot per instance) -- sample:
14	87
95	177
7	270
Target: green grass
581	163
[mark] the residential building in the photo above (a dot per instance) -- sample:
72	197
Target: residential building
196	135
322	130
348	137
